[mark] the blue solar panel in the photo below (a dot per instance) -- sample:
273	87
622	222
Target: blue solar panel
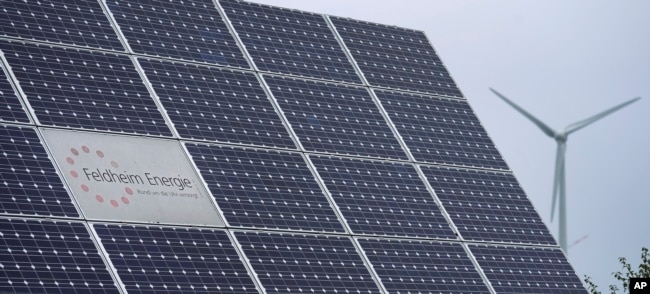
527	269
382	198
335	118
488	206
290	42
441	131
410	266
216	105
50	257
83	89
174	260
29	183
264	189
188	30
289	263
11	110
341	156
395	57
81	23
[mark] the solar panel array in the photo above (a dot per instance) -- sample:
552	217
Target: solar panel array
339	156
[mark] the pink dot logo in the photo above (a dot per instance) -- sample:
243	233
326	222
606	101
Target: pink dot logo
93	177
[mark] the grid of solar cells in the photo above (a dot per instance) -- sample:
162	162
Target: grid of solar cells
29	183
289	263
382	198
264	189
217	105
441	131
174	260
81	23
408	266
83	89
395	57
289	41
11	110
189	30
488	206
527	269
335	118
50	257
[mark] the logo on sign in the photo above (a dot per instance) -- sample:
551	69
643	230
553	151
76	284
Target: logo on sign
77	172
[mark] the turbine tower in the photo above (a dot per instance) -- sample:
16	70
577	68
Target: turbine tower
559	184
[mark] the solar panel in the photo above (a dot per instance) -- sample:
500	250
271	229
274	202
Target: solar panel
11	110
216	104
335	118
339	156
287	41
290	263
488	206
189	30
264	189
527	269
441	131
174	260
416	266
83	89
395	57
29	184
382	198
50	257
80	23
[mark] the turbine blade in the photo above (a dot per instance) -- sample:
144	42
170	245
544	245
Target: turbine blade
546	129
585	122
559	167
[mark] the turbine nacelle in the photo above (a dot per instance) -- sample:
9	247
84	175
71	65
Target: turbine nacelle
561	137
559	180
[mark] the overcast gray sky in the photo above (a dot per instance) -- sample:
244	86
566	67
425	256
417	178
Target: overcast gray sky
562	61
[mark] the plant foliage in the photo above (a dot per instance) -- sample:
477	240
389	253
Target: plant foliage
625	274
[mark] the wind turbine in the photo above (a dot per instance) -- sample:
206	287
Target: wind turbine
559	184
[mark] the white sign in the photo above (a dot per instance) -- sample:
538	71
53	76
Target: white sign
124	178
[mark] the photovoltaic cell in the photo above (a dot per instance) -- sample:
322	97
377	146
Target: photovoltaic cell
527	269
189	30
382	198
487	206
82	89
441	131
409	266
395	57
50	257
217	105
289	263
264	189
174	260
335	118
80	23
11	110
290	42
29	183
